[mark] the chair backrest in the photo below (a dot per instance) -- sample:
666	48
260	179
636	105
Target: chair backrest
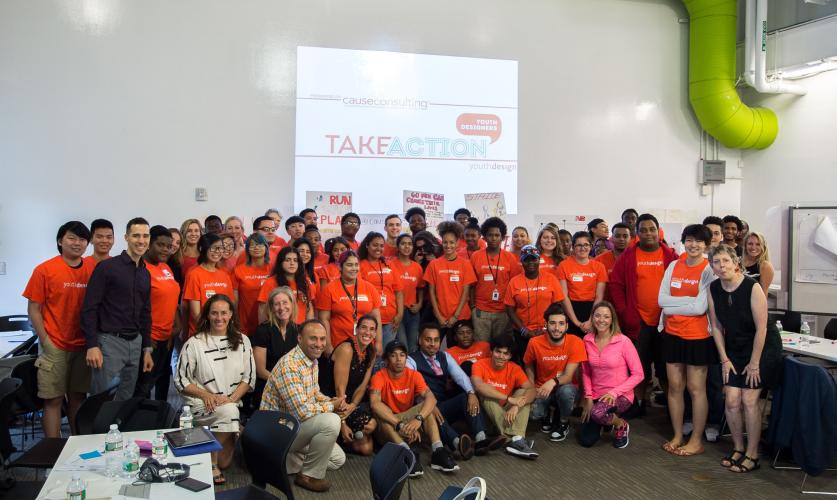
89	409
831	329
265	443
8	390
15	322
27	399
389	471
135	414
474	489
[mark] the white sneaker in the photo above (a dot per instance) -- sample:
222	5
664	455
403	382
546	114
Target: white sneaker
711	434
688	427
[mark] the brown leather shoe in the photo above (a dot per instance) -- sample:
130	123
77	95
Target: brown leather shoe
311	484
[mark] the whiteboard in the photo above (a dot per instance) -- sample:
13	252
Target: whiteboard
812	251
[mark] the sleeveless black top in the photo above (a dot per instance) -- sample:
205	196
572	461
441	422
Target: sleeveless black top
753	271
357	370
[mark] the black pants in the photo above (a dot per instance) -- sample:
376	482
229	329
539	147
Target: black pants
159	377
649	348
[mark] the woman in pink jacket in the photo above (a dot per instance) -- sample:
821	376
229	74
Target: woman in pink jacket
611	372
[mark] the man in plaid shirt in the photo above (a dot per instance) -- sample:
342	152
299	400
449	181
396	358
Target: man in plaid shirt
293	388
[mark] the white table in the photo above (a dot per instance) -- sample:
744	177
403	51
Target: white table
99	486
818	347
11	340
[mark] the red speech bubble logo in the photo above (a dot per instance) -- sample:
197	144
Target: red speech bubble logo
479	124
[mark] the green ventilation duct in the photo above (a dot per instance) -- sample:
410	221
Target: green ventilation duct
712	78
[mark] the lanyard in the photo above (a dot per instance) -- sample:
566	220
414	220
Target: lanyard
352	299
380	272
495	273
529	298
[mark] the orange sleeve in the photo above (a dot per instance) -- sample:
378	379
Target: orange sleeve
509	299
469	275
430	273
419	383
519	376
578	353
530	355
561	270
192	289
601	271
323	301
36	288
557	291
377	382
264	292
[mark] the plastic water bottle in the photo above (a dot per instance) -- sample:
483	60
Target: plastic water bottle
805	330
130	460
159	448
113	451
186	418
779	326
113	440
76	489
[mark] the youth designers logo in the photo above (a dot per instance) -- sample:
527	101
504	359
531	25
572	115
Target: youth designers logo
480	124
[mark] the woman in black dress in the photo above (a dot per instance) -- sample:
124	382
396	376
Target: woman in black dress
275	337
750	352
346	376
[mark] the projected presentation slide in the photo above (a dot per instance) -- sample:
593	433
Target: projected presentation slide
376	123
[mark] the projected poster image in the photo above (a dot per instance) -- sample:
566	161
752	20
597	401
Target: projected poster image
377	123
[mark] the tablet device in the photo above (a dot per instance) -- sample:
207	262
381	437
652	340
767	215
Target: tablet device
192	484
189	437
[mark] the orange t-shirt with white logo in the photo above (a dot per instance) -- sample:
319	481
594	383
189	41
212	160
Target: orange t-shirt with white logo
650	269
507	380
202	284
335	298
248	281
60	290
165	291
300	298
386	280
411	279
608	260
548	264
477	351
450	277
685	282
399	394
320	261
551	359
493	275
582	279
530	298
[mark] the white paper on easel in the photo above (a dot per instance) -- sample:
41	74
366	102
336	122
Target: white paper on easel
826	236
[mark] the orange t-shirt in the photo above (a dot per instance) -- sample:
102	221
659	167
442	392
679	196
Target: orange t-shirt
301	300
248	281
608	260
450	277
650	269
329	272
93	260
551	359
582	279
60	290
320	261
390	250
477	351
493	273
398	393
202	284
530	298
354	245
165	292
548	264
386	280
506	380
335	299
411	279
685	282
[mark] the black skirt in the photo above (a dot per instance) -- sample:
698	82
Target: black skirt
698	352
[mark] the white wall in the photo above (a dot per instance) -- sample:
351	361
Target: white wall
116	108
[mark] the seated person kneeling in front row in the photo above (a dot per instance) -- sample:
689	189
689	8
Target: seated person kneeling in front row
392	395
506	395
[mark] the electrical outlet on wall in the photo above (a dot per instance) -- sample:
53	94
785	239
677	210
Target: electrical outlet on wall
201	194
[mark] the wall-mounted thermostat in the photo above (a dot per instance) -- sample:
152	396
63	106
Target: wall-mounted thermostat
712	172
201	194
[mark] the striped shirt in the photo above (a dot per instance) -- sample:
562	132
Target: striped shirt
293	387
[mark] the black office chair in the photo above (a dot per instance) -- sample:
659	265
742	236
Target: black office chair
831	329
86	416
27	403
389	471
15	323
135	414
265	443
8	388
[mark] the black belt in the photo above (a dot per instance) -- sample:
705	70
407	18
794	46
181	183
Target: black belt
124	336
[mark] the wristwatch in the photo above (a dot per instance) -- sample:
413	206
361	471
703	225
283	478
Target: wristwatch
419	418
398	426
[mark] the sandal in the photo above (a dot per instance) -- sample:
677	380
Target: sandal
742	469
730	460
217	476
682	452
667	446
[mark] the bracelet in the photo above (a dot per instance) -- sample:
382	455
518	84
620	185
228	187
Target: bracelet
725	361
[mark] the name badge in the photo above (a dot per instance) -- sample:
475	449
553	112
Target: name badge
362	298
488	277
454	278
209	294
383	300
577	278
495	295
676	284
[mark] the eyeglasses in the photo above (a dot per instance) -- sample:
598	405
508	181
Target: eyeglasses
215	249
583	245
229	246
351	223
267	229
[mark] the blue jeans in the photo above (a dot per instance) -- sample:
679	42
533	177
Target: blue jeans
562	398
408	332
455	409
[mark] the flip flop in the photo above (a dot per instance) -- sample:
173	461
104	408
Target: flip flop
667	446
680	452
218	478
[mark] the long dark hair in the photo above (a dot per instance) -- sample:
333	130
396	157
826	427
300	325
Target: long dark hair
329	245
299	277
363	250
233	328
309	268
206	241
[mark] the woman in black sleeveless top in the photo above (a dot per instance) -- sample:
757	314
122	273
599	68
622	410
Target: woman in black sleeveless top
346	375
750	354
756	260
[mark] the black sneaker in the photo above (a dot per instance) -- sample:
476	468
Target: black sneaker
489	444
417	471
522	449
465	448
621	436
560	432
443	461
546	424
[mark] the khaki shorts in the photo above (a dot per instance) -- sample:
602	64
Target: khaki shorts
61	372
